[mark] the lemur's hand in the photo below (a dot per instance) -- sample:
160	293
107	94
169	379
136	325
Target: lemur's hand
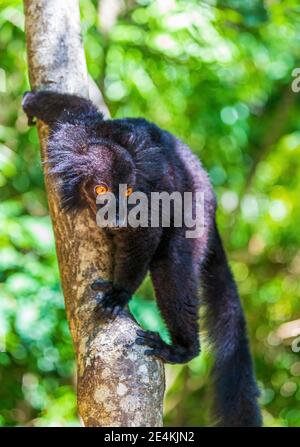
27	101
111	299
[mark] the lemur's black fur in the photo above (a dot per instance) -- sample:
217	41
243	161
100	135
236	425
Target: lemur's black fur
84	150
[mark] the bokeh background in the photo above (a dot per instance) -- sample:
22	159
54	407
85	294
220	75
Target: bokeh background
218	74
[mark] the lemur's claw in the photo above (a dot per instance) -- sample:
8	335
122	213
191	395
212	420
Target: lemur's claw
31	121
149	338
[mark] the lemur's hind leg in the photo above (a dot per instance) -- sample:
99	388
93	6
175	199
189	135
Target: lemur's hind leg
175	276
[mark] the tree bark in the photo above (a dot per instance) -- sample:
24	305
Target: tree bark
117	384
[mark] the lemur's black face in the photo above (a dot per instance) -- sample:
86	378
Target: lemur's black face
88	166
112	172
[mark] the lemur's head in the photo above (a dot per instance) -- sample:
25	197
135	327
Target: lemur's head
109	167
89	157
88	167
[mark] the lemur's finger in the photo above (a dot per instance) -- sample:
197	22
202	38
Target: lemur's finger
101	284
148	334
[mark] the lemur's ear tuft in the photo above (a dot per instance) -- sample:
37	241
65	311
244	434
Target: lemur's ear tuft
70	161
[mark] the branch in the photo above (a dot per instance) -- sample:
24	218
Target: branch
108	12
117	384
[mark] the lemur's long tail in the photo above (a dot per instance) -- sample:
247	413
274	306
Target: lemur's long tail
235	386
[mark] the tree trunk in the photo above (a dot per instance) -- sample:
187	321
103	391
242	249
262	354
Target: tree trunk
117	384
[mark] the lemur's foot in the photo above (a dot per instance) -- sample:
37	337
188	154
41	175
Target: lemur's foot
168	353
112	302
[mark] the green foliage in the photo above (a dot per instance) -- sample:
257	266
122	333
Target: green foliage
218	75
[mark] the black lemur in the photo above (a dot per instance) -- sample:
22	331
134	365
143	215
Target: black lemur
90	155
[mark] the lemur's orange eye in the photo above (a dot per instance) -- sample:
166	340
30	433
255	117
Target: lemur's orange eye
101	189
129	191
